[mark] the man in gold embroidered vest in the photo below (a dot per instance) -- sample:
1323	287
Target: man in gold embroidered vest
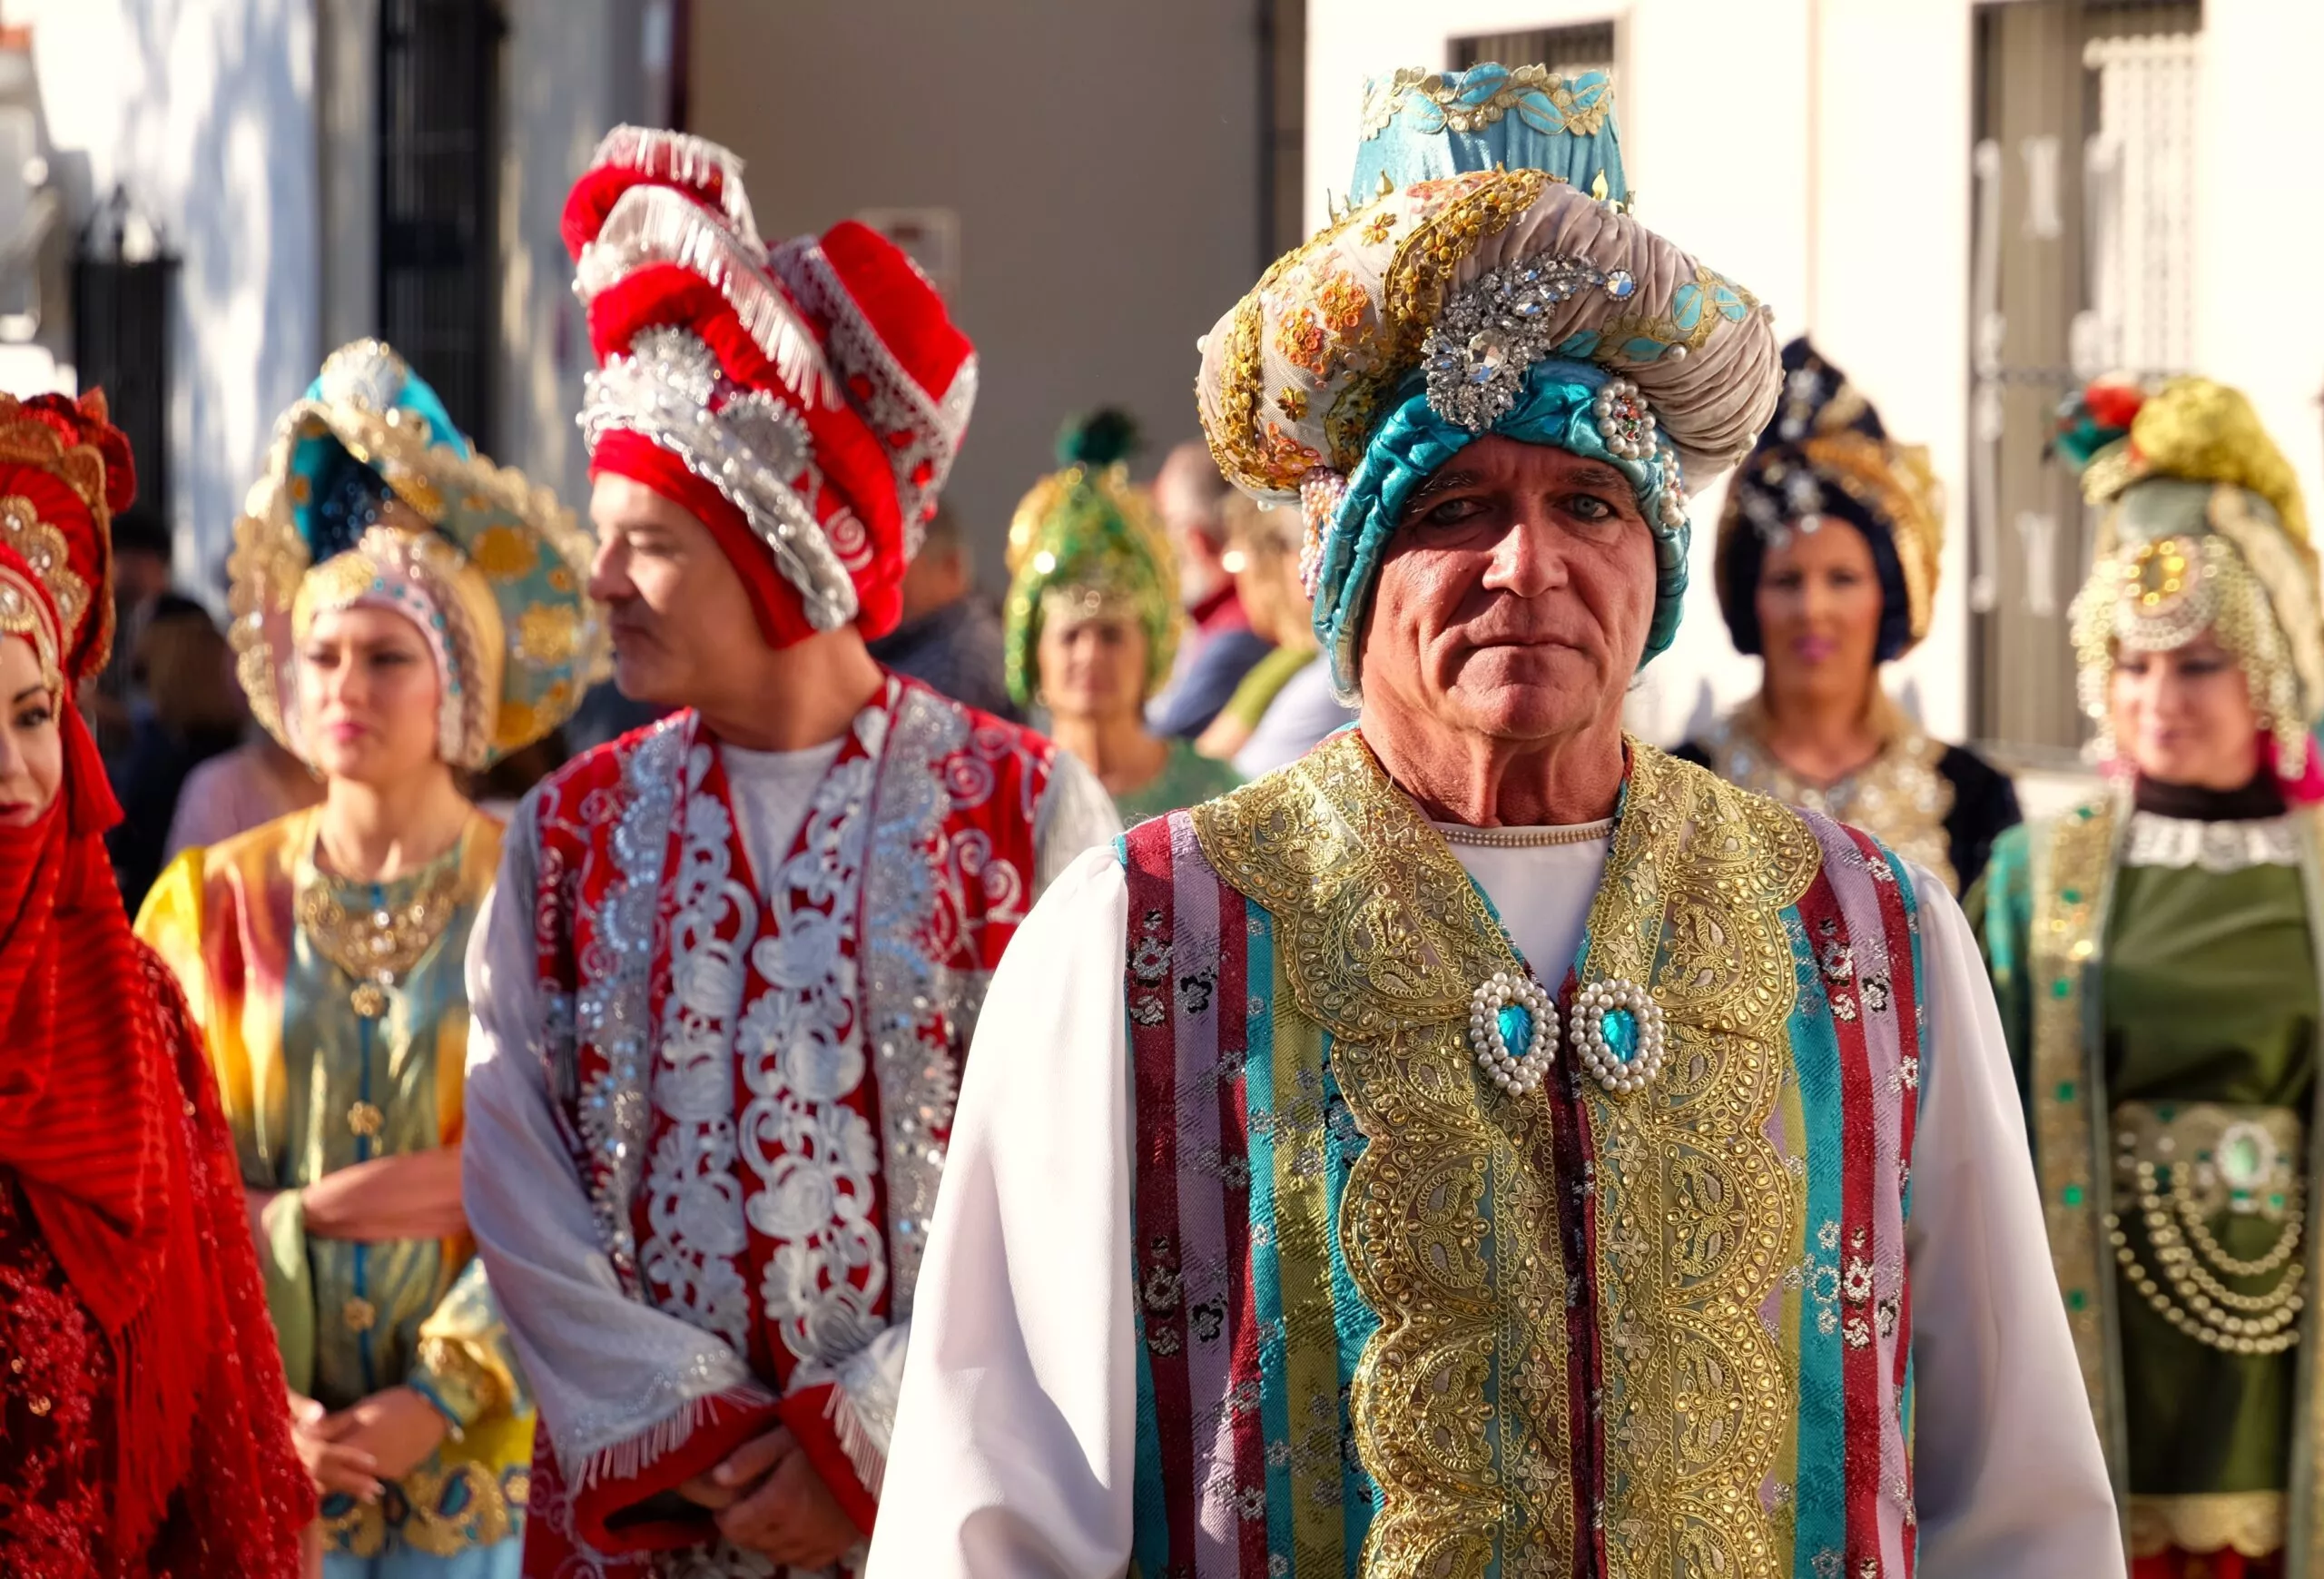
1488	1146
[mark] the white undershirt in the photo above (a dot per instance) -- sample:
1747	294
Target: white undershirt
771	790
1542	891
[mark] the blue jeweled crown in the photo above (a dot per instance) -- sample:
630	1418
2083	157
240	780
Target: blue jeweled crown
1420	125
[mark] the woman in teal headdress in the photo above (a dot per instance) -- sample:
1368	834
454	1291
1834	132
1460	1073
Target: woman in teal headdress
404	611
1093	622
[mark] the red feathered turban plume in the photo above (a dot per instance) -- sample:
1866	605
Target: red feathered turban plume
804	403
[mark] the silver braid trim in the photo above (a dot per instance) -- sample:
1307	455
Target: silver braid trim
657	224
689	160
895	403
630	395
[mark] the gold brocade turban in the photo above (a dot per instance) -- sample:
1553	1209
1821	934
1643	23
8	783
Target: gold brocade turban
1492	280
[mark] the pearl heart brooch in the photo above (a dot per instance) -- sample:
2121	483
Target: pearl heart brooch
1513	1026
1616	1032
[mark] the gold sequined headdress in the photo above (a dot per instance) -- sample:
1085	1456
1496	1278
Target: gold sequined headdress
2203	530
1087	542
371	497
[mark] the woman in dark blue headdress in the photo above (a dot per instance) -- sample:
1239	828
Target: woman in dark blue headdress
1827	568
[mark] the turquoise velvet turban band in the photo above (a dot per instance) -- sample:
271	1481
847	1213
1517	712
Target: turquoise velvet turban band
1556	408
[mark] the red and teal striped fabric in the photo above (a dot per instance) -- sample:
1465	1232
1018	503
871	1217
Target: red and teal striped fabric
1250	1462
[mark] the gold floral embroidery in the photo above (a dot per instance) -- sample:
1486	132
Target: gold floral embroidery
502	553
1457	215
43	547
1569	112
376	948
2069	875
1450	1216
1450	1211
450	1517
1376	229
1300	339
22	615
1286	453
1695	1207
547	635
1345	303
441	1510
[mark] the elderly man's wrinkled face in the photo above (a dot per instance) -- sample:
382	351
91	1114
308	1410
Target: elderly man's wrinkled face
1514	600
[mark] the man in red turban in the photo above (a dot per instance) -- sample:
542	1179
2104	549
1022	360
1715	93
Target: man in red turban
724	990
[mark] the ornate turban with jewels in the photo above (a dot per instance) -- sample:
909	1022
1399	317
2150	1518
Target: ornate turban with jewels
371	498
2203	528
65	473
1494	281
803	401
1827	459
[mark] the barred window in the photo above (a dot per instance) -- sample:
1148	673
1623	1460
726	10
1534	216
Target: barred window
2082	262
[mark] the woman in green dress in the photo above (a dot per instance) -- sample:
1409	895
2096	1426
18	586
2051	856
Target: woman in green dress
1093	621
2155	955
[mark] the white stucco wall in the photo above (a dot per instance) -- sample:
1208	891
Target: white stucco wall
1847	209
206	111
203	110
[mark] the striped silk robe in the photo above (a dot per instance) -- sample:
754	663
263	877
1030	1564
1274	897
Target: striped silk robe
1374	1316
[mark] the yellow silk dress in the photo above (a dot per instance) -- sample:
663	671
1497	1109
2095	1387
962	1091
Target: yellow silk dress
323	1065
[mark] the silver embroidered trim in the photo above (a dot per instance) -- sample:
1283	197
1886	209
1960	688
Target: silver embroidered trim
608	1444
910	997
1496	327
2155	840
690	161
654	225
645	395
891	400
692	1264
866	1387
612	1010
811	1163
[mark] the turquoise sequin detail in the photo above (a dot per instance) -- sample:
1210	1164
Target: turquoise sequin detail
1516	1024
1620	1028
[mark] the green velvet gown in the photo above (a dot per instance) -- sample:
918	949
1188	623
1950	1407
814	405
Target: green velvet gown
2157	982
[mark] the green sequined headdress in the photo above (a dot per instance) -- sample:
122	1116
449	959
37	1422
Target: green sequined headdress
1087	540
2201	528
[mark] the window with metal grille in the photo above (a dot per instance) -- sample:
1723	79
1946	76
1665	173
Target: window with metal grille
440	235
1570	51
2082	262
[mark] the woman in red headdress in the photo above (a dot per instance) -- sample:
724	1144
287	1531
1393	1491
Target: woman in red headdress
141	1430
